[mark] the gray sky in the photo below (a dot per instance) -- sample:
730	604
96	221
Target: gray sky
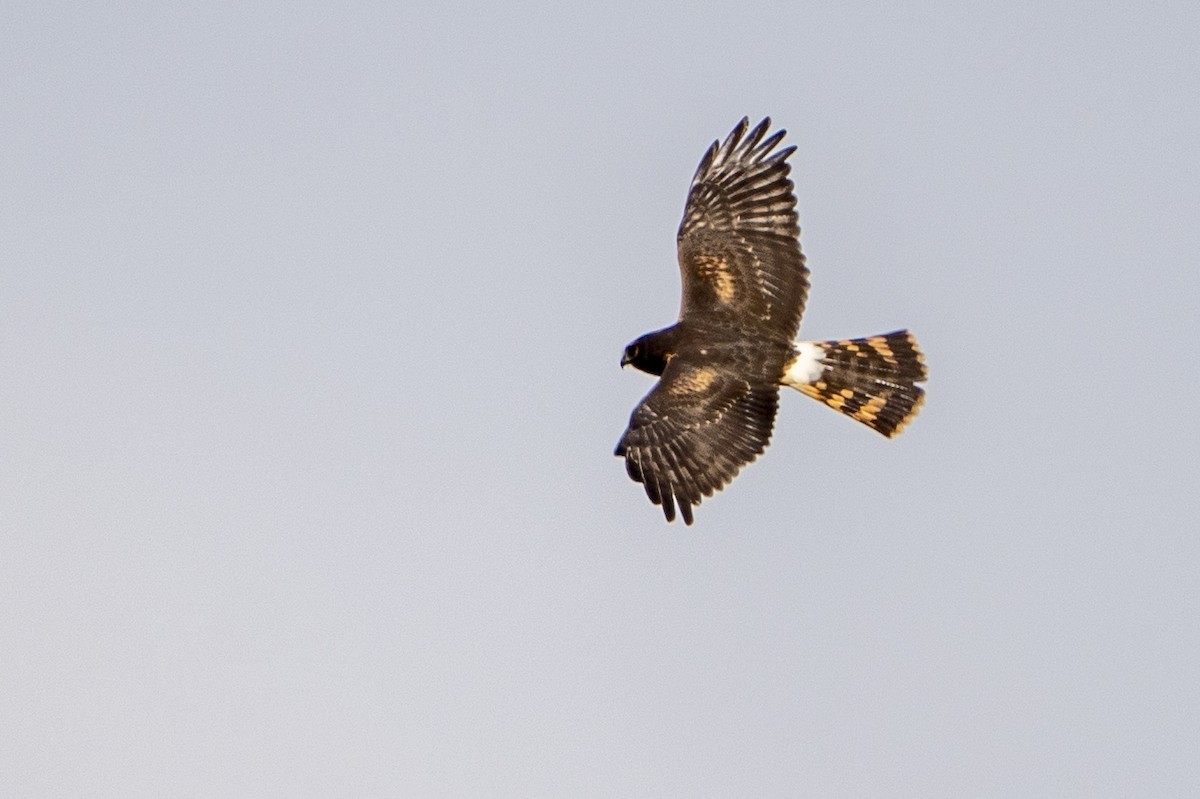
310	322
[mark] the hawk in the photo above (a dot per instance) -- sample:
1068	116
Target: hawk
720	367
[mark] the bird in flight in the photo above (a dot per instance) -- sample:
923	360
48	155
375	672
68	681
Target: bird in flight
720	367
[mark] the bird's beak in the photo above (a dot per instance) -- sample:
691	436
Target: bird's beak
625	359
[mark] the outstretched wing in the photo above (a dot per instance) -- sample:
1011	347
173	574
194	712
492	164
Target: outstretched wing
694	431
739	247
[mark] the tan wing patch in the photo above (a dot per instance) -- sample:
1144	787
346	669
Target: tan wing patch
694	381
716	272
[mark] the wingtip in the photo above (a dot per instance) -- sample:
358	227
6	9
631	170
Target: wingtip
685	509
733	139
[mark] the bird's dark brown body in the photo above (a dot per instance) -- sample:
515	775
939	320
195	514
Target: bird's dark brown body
700	343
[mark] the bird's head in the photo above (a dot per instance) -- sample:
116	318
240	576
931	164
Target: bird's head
646	354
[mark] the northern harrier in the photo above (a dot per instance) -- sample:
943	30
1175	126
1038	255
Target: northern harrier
721	365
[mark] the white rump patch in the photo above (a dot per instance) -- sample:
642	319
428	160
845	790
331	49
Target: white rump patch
806	367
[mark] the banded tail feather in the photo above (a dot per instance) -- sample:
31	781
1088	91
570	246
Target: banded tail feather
872	380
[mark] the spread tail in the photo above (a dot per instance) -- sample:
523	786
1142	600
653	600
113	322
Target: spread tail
872	380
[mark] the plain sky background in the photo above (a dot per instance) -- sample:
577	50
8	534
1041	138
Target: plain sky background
310	320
